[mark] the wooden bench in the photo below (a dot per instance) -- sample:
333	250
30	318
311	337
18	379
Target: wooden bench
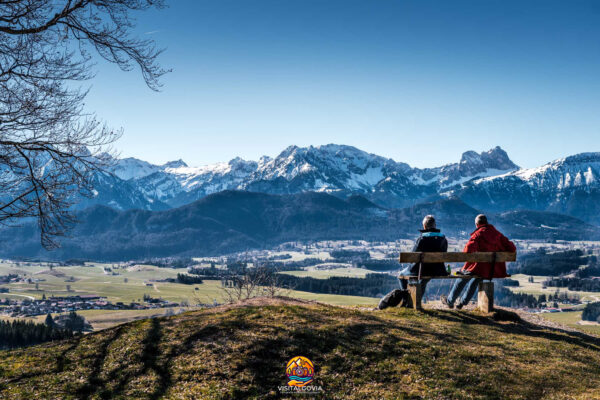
485	298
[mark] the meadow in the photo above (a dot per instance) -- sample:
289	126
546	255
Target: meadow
537	288
120	282
130	285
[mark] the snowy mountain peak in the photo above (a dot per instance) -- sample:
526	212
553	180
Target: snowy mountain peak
470	157
471	165
488	180
580	170
132	168
333	168
568	185
495	158
329	168
174	164
241	164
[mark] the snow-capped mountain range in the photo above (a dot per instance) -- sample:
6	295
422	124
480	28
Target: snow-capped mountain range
487	180
568	185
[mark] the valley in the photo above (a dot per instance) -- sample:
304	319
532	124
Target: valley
210	200
131	282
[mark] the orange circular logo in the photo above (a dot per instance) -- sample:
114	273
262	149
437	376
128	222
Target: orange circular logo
300	371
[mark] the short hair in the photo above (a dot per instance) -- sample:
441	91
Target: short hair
429	222
481	219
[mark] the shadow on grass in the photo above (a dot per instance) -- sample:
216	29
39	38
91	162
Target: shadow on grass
149	358
358	345
94	383
61	361
153	362
519	327
338	344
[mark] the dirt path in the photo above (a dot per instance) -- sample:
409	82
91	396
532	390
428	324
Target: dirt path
22	295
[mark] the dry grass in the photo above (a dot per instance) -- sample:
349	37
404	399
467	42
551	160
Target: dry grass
240	351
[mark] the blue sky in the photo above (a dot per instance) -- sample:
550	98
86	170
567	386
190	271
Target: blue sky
417	81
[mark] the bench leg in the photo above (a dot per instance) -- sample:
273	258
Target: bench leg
414	289
485	297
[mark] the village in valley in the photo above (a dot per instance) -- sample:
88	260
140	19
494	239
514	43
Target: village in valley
362	272
57	305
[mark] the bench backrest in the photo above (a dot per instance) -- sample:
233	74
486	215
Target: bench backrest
410	257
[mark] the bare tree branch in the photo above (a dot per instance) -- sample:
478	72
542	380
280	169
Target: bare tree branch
50	149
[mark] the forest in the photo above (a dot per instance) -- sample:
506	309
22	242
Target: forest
591	312
576	284
19	333
544	263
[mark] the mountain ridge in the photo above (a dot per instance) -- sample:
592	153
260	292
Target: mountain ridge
233	221
337	169
488	181
569	185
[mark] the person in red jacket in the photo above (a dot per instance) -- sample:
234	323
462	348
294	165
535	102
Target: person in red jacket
485	238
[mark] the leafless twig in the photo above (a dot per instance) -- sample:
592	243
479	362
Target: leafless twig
51	150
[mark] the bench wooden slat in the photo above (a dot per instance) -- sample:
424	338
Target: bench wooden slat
457	257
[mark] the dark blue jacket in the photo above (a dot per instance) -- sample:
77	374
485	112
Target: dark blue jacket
431	240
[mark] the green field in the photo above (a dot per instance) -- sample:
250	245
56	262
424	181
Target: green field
571	319
92	280
313	272
536	288
130	286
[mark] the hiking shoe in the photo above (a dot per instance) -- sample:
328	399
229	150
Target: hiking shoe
445	301
463	273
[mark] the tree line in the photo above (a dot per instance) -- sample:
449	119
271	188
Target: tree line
188	279
541	262
20	333
372	285
575	284
591	312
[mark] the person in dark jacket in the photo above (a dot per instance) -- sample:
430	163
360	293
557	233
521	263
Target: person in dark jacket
484	238
431	240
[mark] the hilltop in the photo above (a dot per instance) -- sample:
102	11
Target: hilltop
241	352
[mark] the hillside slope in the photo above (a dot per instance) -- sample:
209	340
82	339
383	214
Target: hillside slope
231	221
241	352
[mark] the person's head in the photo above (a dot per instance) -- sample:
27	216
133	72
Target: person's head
428	222
480	220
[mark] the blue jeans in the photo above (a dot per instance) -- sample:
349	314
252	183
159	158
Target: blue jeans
458	287
404	282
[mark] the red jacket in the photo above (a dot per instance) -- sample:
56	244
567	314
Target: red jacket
487	238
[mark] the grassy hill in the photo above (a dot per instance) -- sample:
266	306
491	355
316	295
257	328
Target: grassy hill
241	352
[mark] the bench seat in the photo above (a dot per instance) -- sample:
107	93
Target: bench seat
485	297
